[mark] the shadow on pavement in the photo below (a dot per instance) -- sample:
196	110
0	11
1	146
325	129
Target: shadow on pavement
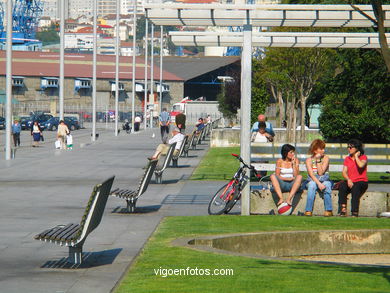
90	259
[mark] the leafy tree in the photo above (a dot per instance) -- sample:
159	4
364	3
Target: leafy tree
48	36
260	94
357	104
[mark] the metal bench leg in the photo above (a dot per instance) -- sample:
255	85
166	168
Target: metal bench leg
158	178
131	205
75	255
174	162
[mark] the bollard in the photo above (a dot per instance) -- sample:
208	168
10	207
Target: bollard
96	135
13	153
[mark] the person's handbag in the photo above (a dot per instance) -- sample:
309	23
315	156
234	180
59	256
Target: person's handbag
57	144
42	138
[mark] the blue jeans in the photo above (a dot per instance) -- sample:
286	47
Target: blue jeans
311	194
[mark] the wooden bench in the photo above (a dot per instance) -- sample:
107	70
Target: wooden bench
189	143
159	170
74	235
181	150
131	196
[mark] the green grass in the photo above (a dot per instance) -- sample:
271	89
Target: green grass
250	274
218	164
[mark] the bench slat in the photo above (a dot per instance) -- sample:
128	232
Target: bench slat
68	235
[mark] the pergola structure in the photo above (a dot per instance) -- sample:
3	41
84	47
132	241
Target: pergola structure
268	15
272	15
279	39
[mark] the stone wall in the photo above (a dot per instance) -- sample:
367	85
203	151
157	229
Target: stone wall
371	203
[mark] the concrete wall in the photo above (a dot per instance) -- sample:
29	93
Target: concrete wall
231	137
371	203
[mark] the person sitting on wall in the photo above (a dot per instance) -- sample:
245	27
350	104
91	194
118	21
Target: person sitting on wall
269	129
261	135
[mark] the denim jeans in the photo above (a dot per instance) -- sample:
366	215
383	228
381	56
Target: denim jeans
311	194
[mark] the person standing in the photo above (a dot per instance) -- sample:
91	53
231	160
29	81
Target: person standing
137	123
62	132
16	129
164	120
36	133
317	166
269	129
180	122
355	174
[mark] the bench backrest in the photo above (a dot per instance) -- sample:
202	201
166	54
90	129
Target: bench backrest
95	209
183	144
145	180
190	141
168	157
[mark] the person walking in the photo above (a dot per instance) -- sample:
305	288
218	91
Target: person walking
16	129
356	180
36	133
137	123
164	120
62	132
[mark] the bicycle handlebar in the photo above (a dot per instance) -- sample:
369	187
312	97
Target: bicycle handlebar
242	161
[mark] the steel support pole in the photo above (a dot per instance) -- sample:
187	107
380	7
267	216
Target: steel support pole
161	65
117	43
134	65
246	86
62	60
146	71
151	98
94	70
8	109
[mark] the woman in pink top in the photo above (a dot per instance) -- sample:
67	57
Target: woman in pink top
355	173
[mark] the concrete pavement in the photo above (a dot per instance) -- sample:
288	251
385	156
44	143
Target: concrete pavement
43	187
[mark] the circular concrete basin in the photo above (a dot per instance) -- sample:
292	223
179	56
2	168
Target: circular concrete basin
296	244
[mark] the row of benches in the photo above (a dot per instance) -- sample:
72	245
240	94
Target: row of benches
74	235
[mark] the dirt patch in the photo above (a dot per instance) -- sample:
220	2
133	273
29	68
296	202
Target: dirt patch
370	259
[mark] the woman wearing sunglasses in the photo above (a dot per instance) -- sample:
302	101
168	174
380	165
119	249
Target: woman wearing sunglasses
355	173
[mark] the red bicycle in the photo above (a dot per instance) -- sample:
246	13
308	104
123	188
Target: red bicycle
228	195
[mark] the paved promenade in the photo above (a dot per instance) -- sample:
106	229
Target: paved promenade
43	187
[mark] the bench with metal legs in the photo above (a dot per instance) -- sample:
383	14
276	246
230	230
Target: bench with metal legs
74	235
159	170
175	158
131	196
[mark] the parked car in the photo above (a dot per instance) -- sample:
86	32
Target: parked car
2	123
71	122
41	120
23	122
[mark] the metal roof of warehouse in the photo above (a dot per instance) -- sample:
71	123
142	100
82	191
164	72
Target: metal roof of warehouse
190	67
43	64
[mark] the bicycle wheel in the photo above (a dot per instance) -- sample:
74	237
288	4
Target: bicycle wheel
222	197
231	203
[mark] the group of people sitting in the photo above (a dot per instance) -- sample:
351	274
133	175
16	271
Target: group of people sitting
287	178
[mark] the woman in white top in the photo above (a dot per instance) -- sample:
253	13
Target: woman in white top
286	177
261	135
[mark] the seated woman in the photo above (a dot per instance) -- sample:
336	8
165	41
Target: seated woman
286	177
317	166
261	135
355	173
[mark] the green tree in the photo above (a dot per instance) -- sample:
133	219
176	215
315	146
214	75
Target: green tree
48	36
356	102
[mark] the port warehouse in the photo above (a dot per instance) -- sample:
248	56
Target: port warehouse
35	80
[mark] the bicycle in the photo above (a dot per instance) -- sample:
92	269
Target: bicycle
229	194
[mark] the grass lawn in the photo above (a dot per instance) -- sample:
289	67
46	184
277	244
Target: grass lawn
250	274
218	164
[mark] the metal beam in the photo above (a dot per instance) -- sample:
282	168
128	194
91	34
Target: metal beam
279	39
290	15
